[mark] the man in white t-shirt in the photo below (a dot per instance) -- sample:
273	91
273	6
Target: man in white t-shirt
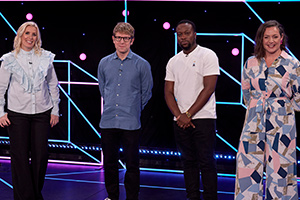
191	78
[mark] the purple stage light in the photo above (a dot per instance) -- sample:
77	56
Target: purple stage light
235	51
82	56
29	16
166	25
123	13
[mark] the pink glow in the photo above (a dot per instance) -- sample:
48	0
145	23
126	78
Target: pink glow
29	16
123	13
82	56
235	51
166	25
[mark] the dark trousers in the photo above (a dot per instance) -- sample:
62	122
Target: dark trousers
197	146
28	136
112	139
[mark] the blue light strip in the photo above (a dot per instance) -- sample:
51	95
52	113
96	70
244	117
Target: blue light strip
84	117
262	21
242	65
220	34
6	183
8	23
124	167
73	173
74	180
238	82
80	149
69	103
61	61
176	43
125	19
59	141
226	142
90	75
228	103
248	38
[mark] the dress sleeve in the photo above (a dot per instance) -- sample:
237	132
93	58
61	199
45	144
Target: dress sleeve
295	84
246	84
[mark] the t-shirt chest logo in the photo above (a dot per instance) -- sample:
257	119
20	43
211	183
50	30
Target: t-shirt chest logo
194	64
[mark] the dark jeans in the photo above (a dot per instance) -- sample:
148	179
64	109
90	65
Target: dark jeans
28	135
112	139
197	146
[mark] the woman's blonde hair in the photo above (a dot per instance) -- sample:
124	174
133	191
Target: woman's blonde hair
17	41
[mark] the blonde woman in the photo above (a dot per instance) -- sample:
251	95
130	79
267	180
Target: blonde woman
27	75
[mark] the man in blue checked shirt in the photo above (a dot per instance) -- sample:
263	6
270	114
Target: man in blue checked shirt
125	83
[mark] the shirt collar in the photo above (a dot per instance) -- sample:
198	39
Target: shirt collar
129	56
192	52
23	52
284	54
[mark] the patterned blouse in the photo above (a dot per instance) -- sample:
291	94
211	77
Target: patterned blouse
271	94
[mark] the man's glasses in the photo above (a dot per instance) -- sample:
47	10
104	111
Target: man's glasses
125	39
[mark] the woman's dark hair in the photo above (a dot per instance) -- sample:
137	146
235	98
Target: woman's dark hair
259	51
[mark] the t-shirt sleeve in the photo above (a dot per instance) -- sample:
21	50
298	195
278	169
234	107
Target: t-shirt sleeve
169	72
211	64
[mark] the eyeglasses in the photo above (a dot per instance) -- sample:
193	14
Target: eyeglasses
125	39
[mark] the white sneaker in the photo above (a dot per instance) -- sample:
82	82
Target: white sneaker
107	198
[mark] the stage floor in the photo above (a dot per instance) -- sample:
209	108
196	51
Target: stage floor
79	182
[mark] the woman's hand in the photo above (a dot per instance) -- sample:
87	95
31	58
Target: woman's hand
54	119
4	121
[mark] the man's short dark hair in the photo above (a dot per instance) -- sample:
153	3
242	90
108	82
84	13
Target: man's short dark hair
186	21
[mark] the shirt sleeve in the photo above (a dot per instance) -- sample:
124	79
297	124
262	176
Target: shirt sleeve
54	90
4	81
101	77
169	73
147	84
211	64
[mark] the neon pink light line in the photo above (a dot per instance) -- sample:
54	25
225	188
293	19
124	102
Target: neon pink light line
7	158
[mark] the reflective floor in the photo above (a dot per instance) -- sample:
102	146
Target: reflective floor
78	182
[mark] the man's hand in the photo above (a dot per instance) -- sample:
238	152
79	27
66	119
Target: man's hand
184	122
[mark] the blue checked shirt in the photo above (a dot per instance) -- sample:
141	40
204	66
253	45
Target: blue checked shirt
125	86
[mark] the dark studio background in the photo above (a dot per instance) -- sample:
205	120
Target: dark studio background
71	28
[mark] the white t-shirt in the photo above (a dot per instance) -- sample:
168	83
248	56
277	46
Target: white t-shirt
187	72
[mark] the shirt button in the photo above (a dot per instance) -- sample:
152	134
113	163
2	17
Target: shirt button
117	95
119	84
116	115
120	74
117	104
